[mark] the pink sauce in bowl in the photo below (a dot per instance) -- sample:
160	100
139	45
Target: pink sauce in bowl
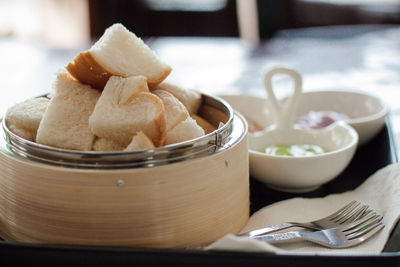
319	119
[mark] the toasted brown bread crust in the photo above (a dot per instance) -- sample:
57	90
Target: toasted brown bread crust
152	81
87	70
142	88
159	120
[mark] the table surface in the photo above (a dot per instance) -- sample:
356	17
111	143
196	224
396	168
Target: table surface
365	57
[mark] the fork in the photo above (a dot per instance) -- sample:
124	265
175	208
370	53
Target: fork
349	213
343	236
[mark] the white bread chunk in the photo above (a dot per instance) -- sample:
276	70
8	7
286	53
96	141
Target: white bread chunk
125	108
175	111
21	132
140	142
118	52
65	122
186	130
121	91
207	127
191	99
23	118
103	144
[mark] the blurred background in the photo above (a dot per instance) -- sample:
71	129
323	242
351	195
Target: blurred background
215	46
72	23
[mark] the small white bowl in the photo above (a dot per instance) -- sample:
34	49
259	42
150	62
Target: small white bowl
302	174
292	173
366	112
253	108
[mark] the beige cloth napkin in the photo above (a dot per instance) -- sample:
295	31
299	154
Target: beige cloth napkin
381	191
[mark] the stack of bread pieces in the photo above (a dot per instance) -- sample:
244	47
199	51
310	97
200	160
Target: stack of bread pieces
112	97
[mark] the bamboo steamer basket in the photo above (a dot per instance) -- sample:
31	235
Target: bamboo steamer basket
186	194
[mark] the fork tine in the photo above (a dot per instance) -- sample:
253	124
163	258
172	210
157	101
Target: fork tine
359	222
363	228
353	215
366	213
371	232
364	233
353	204
345	212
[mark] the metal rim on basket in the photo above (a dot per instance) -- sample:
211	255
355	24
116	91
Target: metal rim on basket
202	146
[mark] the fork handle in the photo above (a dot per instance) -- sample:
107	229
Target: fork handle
280	236
268	229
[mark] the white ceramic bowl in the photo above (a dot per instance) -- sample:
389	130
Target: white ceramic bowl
366	112
253	108
307	173
294	174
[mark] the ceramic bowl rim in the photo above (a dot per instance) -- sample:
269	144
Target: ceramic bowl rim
349	131
383	109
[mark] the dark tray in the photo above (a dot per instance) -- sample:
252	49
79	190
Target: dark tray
378	153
